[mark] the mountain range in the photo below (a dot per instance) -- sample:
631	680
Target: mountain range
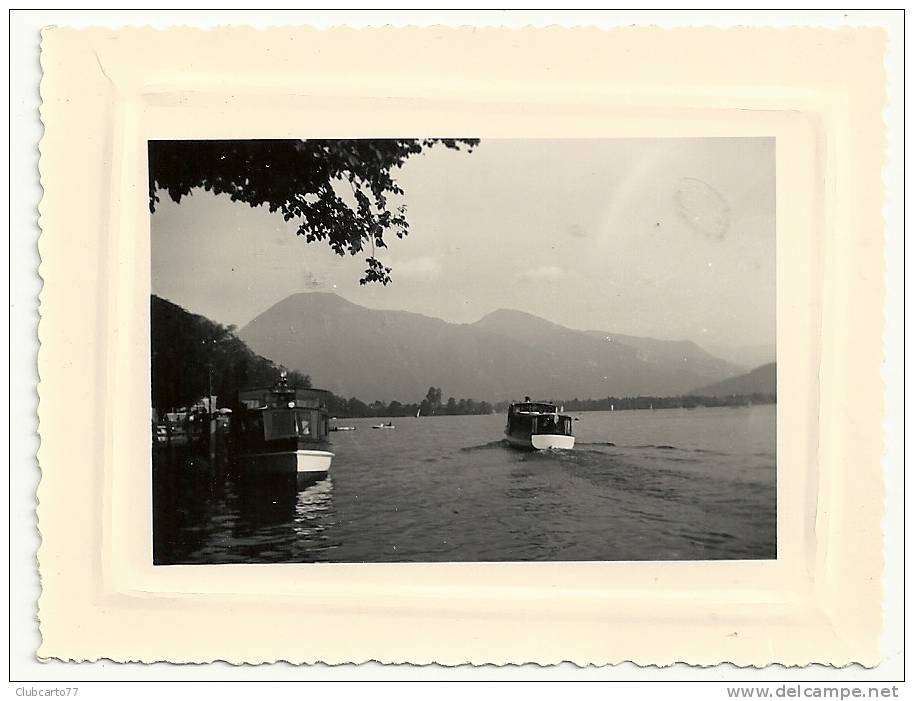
385	355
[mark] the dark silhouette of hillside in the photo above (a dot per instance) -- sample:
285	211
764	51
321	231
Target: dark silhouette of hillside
189	349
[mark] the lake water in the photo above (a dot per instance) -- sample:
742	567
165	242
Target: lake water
673	484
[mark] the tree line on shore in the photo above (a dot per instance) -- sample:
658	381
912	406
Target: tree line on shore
432	405
687	401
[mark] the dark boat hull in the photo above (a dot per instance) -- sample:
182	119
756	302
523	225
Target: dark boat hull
304	467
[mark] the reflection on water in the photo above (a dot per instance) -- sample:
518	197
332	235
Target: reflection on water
313	509
666	484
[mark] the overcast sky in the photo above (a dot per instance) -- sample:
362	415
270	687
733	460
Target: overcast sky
669	238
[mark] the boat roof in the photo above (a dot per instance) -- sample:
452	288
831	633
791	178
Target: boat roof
281	398
272	388
535	407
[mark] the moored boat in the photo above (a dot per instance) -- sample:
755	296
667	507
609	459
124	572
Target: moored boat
280	433
538	426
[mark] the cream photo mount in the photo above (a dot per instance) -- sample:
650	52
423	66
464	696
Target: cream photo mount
820	601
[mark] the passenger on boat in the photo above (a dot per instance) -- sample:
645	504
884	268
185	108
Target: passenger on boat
548	423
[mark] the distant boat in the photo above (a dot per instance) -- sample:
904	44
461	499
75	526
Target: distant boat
342	428
387	425
538	425
418	411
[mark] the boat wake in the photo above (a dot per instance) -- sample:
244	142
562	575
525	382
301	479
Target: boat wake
581	448
595	448
650	445
502	443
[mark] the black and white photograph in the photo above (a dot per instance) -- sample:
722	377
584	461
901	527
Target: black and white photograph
463	350
404	346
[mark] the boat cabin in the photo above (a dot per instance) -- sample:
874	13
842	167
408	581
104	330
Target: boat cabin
281	416
537	418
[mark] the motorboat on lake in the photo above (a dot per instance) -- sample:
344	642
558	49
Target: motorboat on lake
538	426
387	425
280	432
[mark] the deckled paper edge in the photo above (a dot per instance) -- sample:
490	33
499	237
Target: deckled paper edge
44	294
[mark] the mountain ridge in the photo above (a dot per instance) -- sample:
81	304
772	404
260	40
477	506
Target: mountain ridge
760	380
393	354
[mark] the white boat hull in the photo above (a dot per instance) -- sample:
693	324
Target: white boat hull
305	465
552	442
542	441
